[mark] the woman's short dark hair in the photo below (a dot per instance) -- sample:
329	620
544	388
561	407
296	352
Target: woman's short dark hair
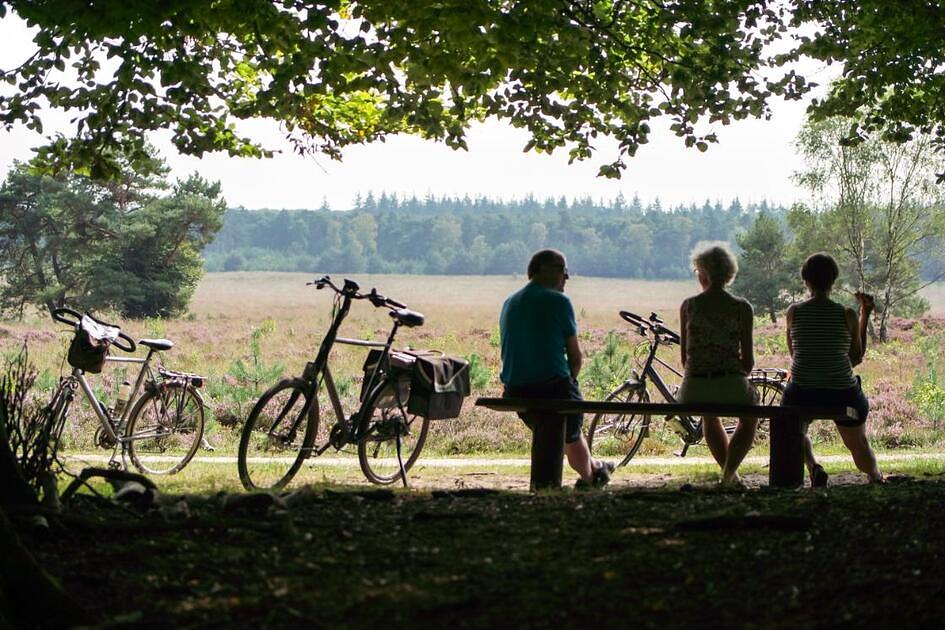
820	271
543	257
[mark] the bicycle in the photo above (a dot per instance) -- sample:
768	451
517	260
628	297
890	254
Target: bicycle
624	433
160	430
282	430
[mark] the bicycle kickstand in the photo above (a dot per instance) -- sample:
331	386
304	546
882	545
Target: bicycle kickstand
400	461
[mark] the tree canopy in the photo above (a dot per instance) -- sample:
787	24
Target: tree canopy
344	72
892	83
68	240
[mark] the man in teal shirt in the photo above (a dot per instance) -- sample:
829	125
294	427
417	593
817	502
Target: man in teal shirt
541	356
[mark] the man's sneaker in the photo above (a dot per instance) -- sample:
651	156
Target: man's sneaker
602	475
818	477
599	479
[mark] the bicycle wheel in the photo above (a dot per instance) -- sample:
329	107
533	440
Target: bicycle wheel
377	450
277	436
165	428
619	434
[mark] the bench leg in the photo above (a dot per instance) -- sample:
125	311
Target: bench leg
786	466
547	451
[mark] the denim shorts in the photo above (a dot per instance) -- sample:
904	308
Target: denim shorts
820	396
562	388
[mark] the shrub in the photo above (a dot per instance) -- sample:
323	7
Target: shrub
606	368
480	376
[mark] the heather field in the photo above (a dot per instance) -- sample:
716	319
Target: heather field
245	330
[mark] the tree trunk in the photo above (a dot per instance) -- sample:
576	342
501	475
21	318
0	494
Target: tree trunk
24	583
772	314
13	488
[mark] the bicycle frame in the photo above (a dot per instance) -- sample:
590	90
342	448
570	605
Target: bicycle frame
319	368
114	427
692	426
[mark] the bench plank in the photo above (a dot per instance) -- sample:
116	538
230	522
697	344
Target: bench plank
845	415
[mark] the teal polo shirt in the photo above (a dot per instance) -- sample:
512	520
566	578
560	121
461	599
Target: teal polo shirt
534	326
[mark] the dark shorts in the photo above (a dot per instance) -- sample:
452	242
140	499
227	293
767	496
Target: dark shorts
564	388
815	396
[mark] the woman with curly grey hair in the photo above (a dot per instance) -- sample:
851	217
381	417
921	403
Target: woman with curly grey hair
717	356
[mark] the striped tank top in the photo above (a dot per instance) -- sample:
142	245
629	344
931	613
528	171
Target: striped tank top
821	340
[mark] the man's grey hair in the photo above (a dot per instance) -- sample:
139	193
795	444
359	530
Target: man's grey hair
716	262
543	257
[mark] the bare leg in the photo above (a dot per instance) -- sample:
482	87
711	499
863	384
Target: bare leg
809	459
716	439
738	447
579	458
854	438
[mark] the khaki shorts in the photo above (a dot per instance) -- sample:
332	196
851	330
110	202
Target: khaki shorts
733	389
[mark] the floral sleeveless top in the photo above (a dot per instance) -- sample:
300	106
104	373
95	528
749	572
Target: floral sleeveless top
713	339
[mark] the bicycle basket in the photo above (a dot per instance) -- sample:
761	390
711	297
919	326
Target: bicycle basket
90	344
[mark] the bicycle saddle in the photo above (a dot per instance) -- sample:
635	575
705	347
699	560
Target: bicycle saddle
406	317
157	344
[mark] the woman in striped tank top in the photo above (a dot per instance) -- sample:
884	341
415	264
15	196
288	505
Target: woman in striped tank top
826	340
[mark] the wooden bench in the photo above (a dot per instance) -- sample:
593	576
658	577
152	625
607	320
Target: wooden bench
786	463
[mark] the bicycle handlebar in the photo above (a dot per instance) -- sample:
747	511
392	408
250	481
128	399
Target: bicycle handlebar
654	324
131	347
350	289
60	315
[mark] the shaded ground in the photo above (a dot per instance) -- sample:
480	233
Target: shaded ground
853	555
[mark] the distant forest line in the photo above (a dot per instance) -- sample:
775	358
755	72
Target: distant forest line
466	235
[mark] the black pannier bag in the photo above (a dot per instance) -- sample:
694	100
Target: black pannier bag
90	344
400	365
438	386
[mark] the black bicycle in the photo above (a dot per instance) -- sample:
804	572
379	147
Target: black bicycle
623	434
282	430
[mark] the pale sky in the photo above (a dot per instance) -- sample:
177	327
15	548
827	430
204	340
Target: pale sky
753	160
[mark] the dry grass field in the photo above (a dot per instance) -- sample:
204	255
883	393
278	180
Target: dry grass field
214	339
